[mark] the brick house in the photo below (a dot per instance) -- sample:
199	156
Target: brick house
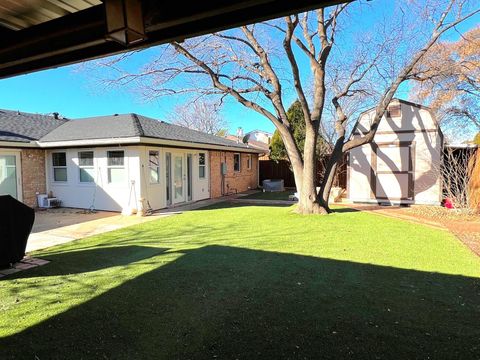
111	162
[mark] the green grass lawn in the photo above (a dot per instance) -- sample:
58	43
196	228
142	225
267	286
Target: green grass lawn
276	195
249	283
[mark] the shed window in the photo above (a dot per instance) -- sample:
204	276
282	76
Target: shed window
59	162
236	162
116	166
394	111
85	164
154	166
201	165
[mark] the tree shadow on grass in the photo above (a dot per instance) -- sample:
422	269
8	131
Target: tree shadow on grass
233	303
344	210
90	259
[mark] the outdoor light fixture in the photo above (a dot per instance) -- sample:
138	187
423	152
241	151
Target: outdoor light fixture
124	21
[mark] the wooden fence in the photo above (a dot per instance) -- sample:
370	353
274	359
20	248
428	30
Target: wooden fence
270	169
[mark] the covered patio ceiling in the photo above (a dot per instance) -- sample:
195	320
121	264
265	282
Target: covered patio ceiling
40	34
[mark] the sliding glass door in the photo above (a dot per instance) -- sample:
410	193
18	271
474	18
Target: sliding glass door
8	175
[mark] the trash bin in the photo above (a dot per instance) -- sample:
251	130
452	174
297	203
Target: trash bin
16	221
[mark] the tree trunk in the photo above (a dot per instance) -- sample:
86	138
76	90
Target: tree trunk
308	203
329	174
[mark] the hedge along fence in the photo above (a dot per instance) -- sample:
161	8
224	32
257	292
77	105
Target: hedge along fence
474	180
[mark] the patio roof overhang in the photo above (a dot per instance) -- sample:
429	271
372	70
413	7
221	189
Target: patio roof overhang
41	34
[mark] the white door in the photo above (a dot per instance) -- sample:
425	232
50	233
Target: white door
10	175
178	178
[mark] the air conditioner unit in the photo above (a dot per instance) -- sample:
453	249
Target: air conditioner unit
45	202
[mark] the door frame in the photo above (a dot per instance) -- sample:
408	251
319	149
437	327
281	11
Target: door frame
18	169
410	171
183	176
189	176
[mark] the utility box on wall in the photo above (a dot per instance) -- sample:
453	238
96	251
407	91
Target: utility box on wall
223	168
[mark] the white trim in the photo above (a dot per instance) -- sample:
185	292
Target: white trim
90	142
461	146
192	145
134	140
17	144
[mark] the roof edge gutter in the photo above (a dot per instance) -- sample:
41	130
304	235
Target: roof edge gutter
192	145
18	144
90	142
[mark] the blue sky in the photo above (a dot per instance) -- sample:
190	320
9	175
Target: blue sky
72	92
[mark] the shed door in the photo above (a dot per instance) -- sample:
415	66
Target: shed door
393	171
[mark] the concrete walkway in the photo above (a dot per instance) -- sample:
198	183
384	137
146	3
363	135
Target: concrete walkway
59	226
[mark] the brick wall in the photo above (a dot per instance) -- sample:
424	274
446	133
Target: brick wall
239	181
33	175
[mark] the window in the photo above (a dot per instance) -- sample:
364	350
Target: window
249	162
116	166
236	162
59	161
394	111
85	164
201	165
154	166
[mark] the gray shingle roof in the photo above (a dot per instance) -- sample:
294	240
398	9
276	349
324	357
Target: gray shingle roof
24	127
132	125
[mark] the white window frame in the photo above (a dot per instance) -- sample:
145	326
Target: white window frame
249	162
54	167
204	165
110	167
80	167
239	162
153	168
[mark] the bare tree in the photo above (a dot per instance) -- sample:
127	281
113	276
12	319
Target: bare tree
200	115
262	65
457	169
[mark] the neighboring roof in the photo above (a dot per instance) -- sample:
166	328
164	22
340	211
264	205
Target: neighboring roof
252	143
259	131
132	125
23	127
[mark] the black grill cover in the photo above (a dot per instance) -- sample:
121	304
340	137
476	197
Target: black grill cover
16	221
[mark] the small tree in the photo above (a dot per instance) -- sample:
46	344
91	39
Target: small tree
297	122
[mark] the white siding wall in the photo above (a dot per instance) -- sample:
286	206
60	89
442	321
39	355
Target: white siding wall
155	193
102	194
428	147
117	197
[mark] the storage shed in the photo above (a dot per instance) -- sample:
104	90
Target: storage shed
402	164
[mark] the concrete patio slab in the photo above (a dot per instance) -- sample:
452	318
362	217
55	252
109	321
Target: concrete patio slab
60	226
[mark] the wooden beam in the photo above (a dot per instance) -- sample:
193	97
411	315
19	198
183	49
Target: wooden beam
83	35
